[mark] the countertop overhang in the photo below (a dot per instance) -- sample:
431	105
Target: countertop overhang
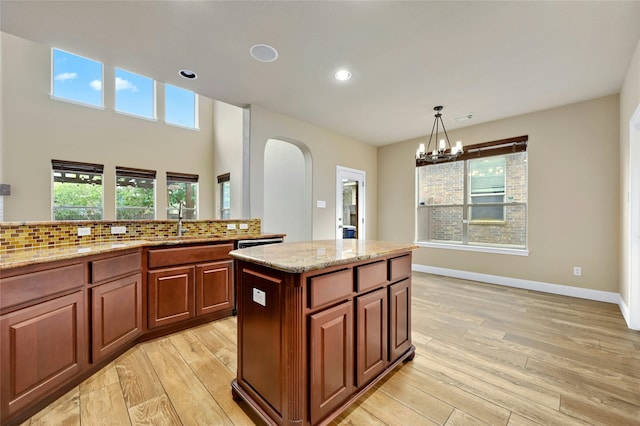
297	257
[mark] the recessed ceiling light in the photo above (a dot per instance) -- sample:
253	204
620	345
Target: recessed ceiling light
263	53
342	75
188	74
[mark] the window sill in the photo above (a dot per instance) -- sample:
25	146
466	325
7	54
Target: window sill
487	222
480	249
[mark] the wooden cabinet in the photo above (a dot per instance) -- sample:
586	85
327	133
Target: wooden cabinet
42	347
331	365
116	303
186	282
311	343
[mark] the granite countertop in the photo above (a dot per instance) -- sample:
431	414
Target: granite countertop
305	256
40	255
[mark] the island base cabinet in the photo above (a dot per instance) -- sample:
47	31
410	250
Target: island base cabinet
372	335
331	349
116	309
399	319
42	349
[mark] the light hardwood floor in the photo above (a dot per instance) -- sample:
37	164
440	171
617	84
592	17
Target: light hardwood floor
485	355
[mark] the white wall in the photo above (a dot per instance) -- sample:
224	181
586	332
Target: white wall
328	150
285	203
36	129
573	206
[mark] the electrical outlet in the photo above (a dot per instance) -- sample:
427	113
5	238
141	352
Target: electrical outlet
84	231
244	226
577	271
231	226
118	230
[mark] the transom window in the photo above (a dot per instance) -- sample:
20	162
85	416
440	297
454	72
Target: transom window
76	79
480	200
77	190
181	107
135	94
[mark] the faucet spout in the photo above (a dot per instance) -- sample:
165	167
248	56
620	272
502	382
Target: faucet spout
180	220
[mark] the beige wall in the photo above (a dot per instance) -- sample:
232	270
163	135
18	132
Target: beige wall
227	153
573	217
327	150
629	102
36	129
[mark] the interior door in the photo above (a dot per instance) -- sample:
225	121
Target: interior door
350	213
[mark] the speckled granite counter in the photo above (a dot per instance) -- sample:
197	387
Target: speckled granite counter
39	255
305	256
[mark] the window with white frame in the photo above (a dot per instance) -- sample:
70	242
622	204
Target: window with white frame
135	94
480	200
182	195
76	78
181	107
77	190
135	193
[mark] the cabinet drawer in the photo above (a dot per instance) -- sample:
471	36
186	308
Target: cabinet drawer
185	255
399	267
37	285
371	276
330	287
104	269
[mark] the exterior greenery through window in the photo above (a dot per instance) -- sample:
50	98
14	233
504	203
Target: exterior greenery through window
135	193
225	195
182	188
480	200
77	190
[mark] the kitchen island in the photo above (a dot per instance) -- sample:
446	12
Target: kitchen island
319	323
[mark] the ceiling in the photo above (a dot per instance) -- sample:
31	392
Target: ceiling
491	59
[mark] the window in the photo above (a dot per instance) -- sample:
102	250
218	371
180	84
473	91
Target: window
135	94
135	193
76	78
480	200
77	190
182	190
224	181
180	107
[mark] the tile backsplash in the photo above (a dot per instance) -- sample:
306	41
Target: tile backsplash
31	235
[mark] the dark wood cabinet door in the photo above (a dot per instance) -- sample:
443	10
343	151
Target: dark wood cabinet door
371	335
171	295
399	318
42	347
116	312
331	359
214	287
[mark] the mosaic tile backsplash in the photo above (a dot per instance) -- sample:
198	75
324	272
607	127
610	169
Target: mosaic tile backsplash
36	235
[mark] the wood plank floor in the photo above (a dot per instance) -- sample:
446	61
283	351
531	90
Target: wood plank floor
485	355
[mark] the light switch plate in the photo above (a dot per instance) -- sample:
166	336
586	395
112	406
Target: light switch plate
244	226
231	226
321	204
260	297
82	231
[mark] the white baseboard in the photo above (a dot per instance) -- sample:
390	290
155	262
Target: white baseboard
564	290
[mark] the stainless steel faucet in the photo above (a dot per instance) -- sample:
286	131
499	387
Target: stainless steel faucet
180	220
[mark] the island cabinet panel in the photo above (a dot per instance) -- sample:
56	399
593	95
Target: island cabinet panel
399	318
171	295
116	315
372	335
331	287
399	267
331	352
214	287
42	349
371	276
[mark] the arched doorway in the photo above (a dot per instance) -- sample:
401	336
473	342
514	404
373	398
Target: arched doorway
287	190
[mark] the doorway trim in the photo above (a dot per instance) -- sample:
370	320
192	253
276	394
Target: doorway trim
634	221
360	176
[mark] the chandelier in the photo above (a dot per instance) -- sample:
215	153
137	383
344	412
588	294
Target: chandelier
440	152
